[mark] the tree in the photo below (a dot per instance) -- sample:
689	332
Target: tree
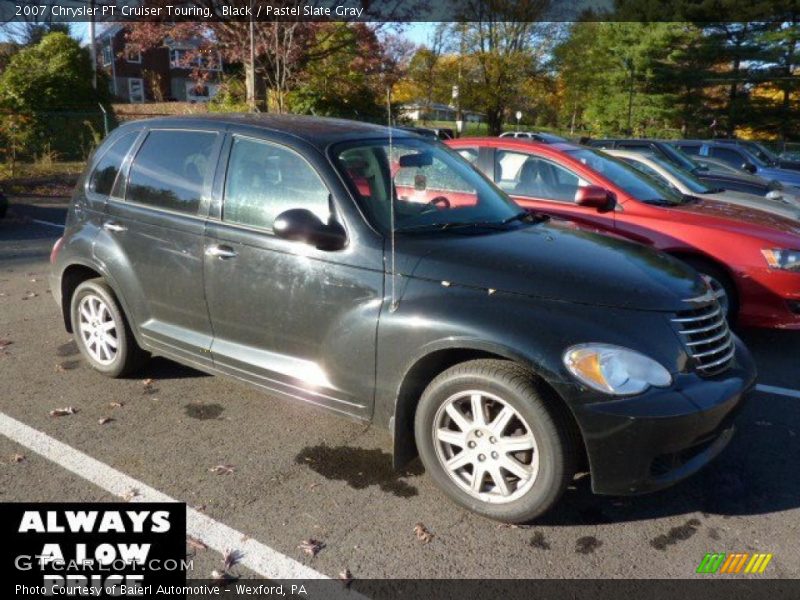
51	77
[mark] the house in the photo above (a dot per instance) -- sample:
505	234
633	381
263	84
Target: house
157	74
434	111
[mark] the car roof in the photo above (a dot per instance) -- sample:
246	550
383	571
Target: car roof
510	142
316	131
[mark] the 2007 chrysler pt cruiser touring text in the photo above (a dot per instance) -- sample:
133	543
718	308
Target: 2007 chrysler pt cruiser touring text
379	275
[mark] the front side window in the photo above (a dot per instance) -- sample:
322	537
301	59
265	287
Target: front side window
732	157
430	185
170	169
265	180
524	175
105	172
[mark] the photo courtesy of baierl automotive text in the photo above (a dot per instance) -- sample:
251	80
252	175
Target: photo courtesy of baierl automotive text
343	299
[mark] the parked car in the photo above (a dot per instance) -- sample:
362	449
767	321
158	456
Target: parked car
740	157
717	173
765	154
704	168
534	136
385	279
656	147
687	184
431	132
751	258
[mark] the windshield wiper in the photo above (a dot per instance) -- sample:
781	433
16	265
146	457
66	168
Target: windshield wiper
523	216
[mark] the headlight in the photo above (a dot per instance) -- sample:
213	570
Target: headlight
614	370
788	260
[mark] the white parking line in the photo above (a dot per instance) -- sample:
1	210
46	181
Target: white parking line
47	223
779	391
258	557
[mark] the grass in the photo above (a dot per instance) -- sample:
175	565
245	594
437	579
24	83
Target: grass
41	178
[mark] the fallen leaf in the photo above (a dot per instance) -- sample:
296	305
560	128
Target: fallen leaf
422	533
230	558
63	412
5	344
34	280
200	508
29	295
311	546
147	382
223	469
104	420
195	543
219	575
116	404
129	495
346	577
17	458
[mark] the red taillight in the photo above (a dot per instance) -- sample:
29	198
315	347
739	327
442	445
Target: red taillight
56	248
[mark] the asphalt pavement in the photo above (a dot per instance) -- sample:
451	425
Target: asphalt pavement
297	473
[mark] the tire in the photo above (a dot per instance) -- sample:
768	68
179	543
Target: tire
551	460
720	282
98	323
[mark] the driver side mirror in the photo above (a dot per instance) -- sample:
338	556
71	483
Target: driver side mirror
594	196
749	167
301	225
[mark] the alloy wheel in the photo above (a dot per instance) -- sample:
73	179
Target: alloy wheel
485	446
98	329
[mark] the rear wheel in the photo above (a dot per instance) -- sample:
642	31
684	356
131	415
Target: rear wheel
490	441
102	332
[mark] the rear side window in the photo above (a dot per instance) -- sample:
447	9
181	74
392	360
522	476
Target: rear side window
107	168
170	168
265	180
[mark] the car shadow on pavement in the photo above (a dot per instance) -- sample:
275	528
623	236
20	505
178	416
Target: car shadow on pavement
756	474
162	369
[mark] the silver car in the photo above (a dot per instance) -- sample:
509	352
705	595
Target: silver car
686	183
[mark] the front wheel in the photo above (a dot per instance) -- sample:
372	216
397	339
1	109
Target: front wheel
490	440
102	332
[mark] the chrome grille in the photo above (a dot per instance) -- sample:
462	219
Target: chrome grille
707	338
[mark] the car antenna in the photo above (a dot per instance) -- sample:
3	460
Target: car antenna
392	254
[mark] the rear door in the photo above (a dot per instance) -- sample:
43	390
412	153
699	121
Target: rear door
289	317
153	246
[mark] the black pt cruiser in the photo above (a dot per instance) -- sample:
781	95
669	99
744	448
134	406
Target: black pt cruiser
377	274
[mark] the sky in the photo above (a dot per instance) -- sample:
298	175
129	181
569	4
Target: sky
419	33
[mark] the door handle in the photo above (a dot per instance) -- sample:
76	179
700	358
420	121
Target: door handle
110	226
221	252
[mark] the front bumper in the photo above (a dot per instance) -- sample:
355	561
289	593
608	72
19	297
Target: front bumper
770	298
653	440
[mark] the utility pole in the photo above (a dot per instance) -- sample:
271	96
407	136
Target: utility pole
92	47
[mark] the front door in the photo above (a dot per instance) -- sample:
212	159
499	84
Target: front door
541	184
155	222
291	318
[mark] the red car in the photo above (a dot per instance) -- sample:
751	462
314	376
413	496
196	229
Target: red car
750	258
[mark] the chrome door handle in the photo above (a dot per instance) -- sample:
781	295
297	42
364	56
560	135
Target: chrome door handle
109	226
221	251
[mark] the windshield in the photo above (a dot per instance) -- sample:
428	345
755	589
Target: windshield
636	184
692	183
432	186
763	152
680	158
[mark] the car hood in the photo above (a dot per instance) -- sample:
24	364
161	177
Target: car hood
786	208
554	260
744	219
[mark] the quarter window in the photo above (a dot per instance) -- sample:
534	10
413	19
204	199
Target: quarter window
107	168
170	169
265	180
